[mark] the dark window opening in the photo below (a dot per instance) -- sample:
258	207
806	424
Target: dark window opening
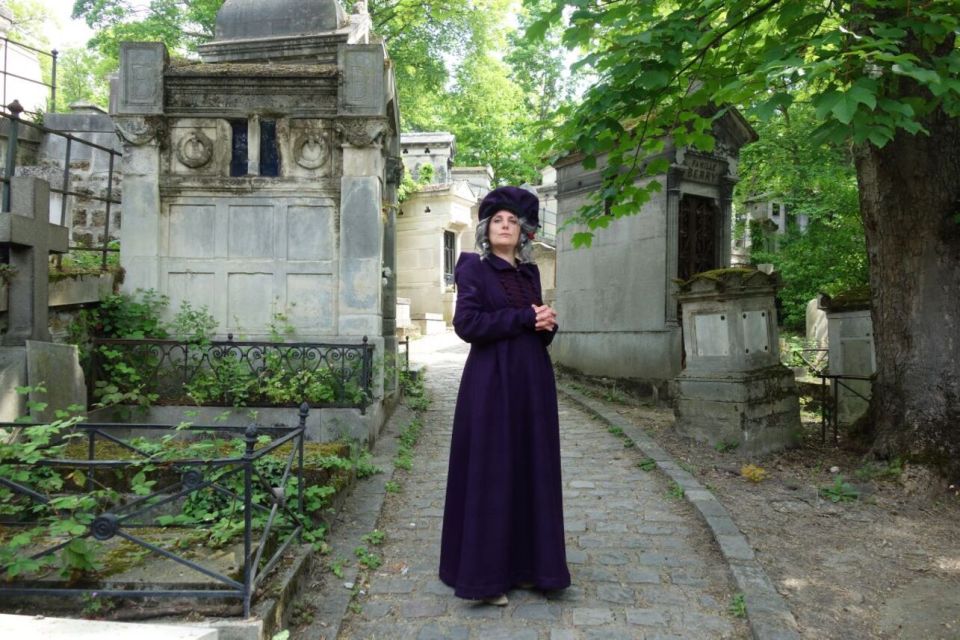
238	153
449	255
269	153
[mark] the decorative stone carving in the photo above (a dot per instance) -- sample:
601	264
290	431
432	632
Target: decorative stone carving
195	149
137	130
362	132
311	150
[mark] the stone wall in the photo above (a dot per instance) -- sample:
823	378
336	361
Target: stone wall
89	172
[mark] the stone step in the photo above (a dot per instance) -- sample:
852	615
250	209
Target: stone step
36	627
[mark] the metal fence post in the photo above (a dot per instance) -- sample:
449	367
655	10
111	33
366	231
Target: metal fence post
251	440
106	223
304	411
53	82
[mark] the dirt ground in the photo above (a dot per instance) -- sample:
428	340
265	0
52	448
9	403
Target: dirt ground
884	563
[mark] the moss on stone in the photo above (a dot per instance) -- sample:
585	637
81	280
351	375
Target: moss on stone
855	299
725	276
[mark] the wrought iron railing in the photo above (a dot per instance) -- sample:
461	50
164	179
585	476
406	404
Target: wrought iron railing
228	373
7	43
405	343
830	385
109	200
278	503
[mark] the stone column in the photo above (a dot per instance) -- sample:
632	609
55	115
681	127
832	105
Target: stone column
361	230
139	121
725	189
674	175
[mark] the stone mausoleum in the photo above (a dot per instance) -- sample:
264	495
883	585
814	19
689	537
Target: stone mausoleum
262	179
617	304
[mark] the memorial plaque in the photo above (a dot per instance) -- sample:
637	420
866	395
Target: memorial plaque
711	335
756	332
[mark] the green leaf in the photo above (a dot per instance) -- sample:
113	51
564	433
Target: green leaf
581	239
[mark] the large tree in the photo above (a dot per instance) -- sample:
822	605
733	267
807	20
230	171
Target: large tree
882	76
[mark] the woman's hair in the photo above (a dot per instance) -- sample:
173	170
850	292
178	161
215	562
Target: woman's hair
524	249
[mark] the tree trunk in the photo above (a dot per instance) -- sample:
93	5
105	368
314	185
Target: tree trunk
910	203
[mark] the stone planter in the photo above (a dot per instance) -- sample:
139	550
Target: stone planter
734	389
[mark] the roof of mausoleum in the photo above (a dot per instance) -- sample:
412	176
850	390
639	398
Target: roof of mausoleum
427	137
247	19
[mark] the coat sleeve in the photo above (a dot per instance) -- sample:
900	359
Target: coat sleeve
545	336
472	321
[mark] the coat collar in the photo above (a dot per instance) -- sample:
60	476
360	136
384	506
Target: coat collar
500	264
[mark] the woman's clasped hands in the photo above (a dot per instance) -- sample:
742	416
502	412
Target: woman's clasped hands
546	317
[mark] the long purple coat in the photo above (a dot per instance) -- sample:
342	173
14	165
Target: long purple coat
503	517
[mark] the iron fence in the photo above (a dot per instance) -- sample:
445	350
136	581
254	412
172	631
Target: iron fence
228	373
65	191
52	85
405	343
830	401
282	515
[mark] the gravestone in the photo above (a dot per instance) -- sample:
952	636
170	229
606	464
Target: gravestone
29	239
734	390
57	368
616	303
851	350
27	358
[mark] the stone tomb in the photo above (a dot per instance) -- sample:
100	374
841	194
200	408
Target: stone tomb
616	302
734	389
851	350
262	180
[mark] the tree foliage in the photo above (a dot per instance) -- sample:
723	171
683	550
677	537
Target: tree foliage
881	76
455	68
180	24
813	179
662	65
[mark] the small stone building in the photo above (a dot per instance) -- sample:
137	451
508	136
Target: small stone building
434	225
616	301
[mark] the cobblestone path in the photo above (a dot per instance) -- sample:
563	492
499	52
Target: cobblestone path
643	565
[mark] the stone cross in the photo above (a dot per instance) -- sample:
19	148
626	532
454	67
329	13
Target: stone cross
30	238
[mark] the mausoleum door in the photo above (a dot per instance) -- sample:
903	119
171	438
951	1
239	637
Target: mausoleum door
698	235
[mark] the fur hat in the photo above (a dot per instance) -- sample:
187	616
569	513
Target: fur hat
514	199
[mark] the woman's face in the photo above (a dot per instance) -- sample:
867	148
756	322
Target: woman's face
504	231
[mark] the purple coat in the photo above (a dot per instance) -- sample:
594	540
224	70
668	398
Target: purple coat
503	516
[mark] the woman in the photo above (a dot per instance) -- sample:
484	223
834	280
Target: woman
503	517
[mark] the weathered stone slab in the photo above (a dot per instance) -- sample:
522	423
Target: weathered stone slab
13	373
57	368
68	628
141	78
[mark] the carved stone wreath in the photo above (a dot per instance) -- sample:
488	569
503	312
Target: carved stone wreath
195	149
311	150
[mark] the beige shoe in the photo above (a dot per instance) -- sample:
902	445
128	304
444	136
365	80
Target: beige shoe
498	601
526	585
